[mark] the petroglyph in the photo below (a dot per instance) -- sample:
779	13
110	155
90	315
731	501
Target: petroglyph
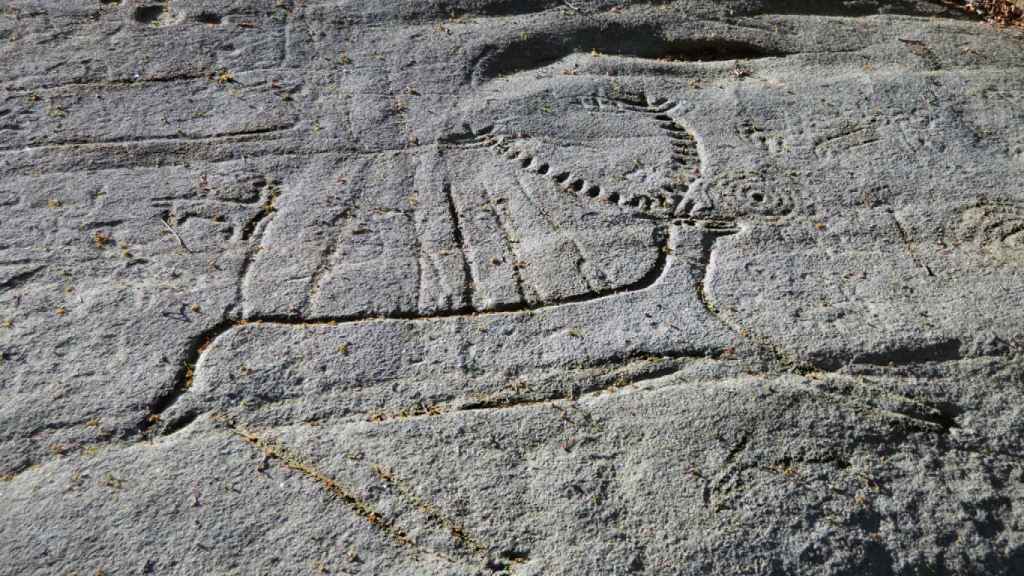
492	287
525	247
555	219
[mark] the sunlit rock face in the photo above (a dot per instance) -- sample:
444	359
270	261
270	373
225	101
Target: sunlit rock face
494	287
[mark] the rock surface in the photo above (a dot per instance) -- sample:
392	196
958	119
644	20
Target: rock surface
510	287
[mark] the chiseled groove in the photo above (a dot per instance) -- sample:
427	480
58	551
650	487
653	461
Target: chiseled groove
324	264
284	455
459	535
856	390
658	366
672	364
467	272
194	349
20	278
472	550
198	345
221	137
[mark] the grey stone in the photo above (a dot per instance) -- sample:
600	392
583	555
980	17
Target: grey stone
518	287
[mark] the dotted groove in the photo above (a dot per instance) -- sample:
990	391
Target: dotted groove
665	200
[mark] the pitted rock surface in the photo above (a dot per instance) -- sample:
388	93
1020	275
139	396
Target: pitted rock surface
510	287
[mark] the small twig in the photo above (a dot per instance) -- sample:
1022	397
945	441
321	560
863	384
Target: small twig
175	232
570	5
